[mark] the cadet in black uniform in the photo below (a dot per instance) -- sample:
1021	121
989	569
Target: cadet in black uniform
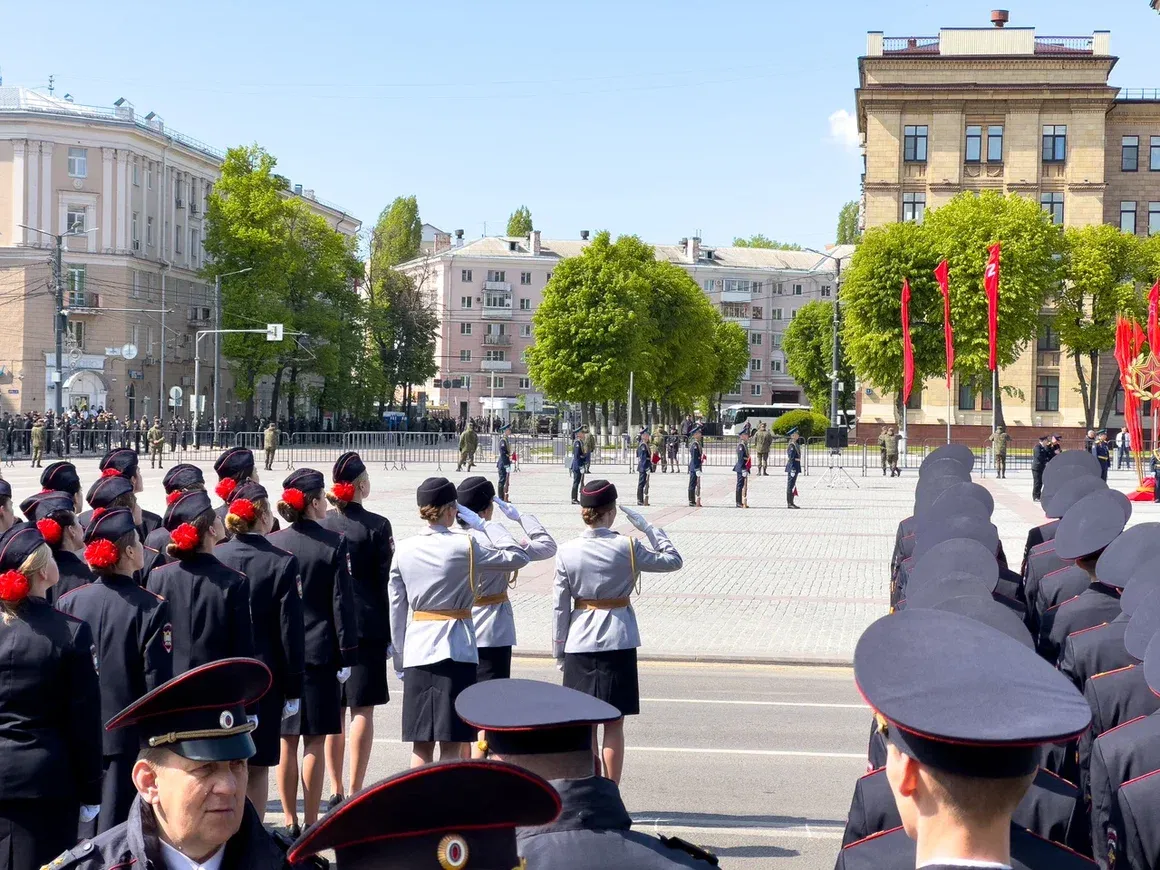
643	467
276	612
54	517
547	729
234	467
696	462
62	477
108	493
577	464
1101	452
503	461
1041	454
178	479
462	815
191	777
370	543
793	467
209	604
122	462
741	468
50	729
330	617
134	647
7	510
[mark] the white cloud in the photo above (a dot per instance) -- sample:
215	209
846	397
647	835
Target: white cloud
844	130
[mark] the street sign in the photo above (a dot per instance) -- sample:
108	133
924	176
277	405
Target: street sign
112	351
175	393
274	332
129	351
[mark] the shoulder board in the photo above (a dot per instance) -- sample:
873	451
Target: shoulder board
690	849
1059	846
153	549
72	618
1121	725
1140	777
72	591
1107	673
1057	606
157	569
873	836
1051	773
1057	571
1089	628
873	772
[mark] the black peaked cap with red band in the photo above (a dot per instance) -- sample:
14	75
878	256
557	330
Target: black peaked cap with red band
960	453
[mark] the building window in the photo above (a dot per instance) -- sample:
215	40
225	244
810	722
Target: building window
1153	218
136	173
734	309
466	382
525	383
913	207
797	289
75	277
149	176
524	356
755	365
136	288
967	395
1047	393
465	356
136	232
496	382
775	314
1128	217
775	365
757	312
974	143
755	389
149	231
755	338
827	291
1154	154
194	247
995	143
914	144
76	329
776	340
736	285
525	330
1129	153
549	278
1053	204
178	202
707	284
78	162
779	289
75	219
525	278
177	240
495	355
465	276
525	305
1048	338
736	391
1054	143
497	299
494	275
464	301
465	329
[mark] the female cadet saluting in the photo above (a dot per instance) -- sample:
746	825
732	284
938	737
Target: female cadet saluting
50	727
434	577
209	604
596	635
133	646
370	543
276	612
331	623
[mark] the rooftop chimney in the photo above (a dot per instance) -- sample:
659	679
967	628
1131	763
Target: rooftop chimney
999	17
583	235
534	242
459	238
693	250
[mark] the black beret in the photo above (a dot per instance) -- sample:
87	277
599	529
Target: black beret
304	480
597	493
237	462
475	493
122	459
1090	525
50	503
201	714
956	554
110	526
250	491
61	476
989	612
182	476
348	468
1143	626
435	492
17	544
960	453
187	508
106	489
1123	556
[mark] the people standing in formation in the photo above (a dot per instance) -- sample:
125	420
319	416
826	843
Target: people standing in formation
741	467
468	444
793	467
503	461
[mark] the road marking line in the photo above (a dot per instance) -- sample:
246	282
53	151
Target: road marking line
757	703
706	834
698	750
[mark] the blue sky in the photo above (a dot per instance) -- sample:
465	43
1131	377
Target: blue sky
655	118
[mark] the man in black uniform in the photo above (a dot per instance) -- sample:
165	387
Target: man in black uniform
503	461
190	776
133	650
643	467
577	464
696	462
547	729
741	468
793	466
1102	452
1040	455
123	462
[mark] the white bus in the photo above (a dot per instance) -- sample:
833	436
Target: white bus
734	417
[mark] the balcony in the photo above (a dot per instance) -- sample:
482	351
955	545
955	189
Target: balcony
743	322
496	365
497	312
736	295
501	286
497	340
84	303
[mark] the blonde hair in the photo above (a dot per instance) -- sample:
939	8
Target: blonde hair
593	515
238	526
32	568
431	513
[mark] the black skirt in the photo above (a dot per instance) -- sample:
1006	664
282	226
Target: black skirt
267	736
610	676
319	711
429	693
495	663
367	686
35	831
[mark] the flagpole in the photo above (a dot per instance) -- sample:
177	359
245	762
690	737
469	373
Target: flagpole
948	414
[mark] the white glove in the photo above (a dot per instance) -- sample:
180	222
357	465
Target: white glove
560	665
290	707
470	517
253	720
399	676
344	674
633	517
698	472
508	510
89	812
390	650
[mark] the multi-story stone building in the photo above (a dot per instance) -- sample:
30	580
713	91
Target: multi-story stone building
134	194
486	292
1004	108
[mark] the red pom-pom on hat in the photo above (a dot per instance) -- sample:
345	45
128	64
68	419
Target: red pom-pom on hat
96	513
110	472
225	488
14	587
243	509
173	496
102	553
296	498
50	529
185	537
343	491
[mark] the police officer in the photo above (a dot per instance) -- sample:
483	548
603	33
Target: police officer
547	729
370	544
1040	455
503	461
468	444
434	581
133	650
156	438
643	467
595	634
190	776
443	816
762	442
272	576
53	515
1101	452
50	709
330	618
576	466
123	462
696	462
741	468
793	467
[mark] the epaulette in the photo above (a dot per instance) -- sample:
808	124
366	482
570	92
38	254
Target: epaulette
77	853
690	849
1089	628
1109	673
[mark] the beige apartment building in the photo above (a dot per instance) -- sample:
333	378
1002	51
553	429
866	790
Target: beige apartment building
487	290
137	191
1004	108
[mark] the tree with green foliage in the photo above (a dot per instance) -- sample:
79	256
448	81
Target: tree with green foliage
1029	268
397	233
759	241
730	358
520	222
1102	266
809	357
808	423
848	233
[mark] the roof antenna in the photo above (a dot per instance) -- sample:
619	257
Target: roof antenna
51	79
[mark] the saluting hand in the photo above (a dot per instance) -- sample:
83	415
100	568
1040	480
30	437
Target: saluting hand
635	518
470	517
507	509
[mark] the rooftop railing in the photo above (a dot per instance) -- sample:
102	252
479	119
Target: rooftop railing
910	45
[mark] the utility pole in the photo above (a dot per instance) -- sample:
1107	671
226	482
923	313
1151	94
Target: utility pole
836	356
217	346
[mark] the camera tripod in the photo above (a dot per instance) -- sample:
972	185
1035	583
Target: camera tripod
833	478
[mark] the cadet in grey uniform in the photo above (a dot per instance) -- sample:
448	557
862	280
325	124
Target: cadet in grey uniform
595	634
435	653
547	729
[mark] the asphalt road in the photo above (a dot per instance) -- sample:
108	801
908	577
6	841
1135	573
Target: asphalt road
756	763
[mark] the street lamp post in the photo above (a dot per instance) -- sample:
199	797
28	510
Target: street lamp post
835	369
217	345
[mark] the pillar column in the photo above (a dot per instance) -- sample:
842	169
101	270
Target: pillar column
106	243
18	149
123	217
46	186
34	192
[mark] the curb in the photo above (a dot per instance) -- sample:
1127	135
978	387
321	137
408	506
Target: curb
722	659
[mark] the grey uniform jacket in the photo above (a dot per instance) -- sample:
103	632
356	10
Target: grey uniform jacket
436	570
495	624
600	565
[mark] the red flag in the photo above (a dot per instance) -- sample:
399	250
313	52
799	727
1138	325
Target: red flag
1153	326
991	284
907	347
942	273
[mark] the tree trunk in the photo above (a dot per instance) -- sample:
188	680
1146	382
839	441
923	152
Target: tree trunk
1109	403
1086	390
605	427
276	393
899	409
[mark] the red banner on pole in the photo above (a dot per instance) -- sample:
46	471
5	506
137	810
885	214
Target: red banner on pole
907	347
942	274
991	284
1153	326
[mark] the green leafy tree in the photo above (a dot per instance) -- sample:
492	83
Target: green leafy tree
872	307
397	233
759	241
730	357
1102	266
520	222
848	224
808	345
962	230
808	423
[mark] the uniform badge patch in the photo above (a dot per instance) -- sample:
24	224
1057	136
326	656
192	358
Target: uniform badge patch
298	583
226	719
96	663
167	637
452	852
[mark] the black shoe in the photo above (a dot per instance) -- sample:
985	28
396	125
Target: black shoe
795	507
290	832
335	800
575	501
692	504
